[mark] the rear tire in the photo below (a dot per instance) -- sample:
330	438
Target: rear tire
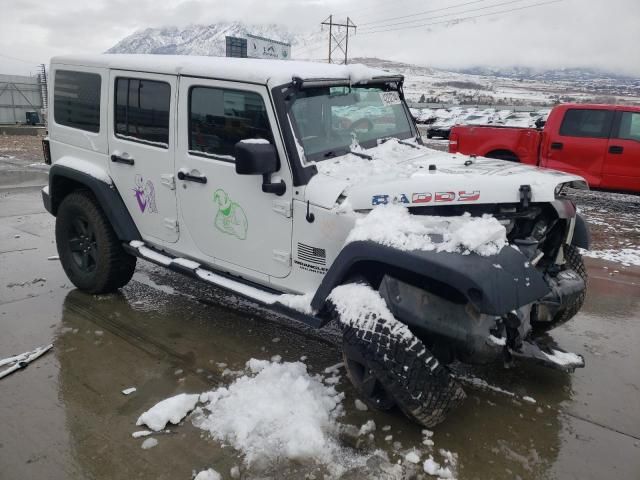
576	263
404	371
90	252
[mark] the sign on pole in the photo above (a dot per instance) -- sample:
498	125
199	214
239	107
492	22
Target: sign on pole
260	47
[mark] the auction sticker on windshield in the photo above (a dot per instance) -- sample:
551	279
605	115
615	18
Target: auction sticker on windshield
390	98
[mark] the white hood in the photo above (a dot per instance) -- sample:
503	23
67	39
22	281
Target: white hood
400	173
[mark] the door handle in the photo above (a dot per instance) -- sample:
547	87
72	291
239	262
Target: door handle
557	146
119	159
616	149
191	178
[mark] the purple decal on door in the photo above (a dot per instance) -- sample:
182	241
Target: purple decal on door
145	194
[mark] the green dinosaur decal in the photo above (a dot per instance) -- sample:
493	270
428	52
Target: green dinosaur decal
230	218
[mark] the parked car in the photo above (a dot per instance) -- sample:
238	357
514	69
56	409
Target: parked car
599	142
263	178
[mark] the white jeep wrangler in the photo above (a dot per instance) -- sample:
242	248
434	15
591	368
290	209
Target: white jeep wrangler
306	187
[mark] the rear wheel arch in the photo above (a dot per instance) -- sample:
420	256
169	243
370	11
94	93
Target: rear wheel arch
503	154
64	180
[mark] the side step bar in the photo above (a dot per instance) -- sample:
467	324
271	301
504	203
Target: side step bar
274	301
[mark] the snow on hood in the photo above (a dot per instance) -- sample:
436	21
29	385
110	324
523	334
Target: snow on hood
403	173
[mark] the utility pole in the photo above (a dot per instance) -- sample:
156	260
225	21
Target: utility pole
341	41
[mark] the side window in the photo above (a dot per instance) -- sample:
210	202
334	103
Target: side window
76	100
629	126
142	111
586	123
220	118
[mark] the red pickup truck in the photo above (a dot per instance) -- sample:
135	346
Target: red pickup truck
599	142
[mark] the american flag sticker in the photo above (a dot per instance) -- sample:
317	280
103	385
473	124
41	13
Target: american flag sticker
309	254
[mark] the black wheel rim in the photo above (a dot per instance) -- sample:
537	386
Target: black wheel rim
366	382
82	243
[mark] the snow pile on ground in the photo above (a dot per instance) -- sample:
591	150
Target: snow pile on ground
276	411
361	307
626	256
208	474
172	409
393	226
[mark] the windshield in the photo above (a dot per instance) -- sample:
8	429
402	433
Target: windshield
326	120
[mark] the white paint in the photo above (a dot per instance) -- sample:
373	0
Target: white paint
87	167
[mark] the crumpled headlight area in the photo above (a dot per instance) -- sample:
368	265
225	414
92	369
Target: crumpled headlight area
563	188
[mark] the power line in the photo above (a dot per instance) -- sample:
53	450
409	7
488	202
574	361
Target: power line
460	19
417	14
510	2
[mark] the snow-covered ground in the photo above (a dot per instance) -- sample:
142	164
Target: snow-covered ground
275	413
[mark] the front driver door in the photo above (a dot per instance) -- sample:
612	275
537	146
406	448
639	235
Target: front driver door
229	217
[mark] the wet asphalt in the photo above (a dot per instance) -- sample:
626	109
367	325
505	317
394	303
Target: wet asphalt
64	416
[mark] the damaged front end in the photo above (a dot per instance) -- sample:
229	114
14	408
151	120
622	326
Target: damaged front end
532	272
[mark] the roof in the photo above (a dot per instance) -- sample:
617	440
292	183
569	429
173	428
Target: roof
268	72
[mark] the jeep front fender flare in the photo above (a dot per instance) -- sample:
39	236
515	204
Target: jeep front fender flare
494	285
64	179
581	235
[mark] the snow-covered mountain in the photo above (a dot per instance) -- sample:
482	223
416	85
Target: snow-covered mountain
210	39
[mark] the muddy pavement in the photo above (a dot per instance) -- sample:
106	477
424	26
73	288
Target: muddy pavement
64	416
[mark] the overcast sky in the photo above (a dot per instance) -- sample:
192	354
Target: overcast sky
570	33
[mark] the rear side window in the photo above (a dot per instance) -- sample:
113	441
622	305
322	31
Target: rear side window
220	118
76	100
142	111
586	123
629	126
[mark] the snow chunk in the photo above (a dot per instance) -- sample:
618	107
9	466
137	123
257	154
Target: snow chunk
301	303
360	405
412	457
276	411
209	474
431	467
129	391
149	443
172	409
361	307
393	226
141	433
259	141
155	256
564	358
368	427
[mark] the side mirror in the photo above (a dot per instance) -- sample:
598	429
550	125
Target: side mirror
258	158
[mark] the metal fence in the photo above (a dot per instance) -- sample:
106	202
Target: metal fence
19	95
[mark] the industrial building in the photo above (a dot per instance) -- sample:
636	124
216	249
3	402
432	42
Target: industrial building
22	98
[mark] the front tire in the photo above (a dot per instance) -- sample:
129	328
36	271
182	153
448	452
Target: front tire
90	252
396	367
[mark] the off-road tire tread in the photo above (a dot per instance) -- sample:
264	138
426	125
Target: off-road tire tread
423	392
115	266
574	261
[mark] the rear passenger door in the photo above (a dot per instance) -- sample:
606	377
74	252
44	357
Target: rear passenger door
141	150
622	167
580	145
